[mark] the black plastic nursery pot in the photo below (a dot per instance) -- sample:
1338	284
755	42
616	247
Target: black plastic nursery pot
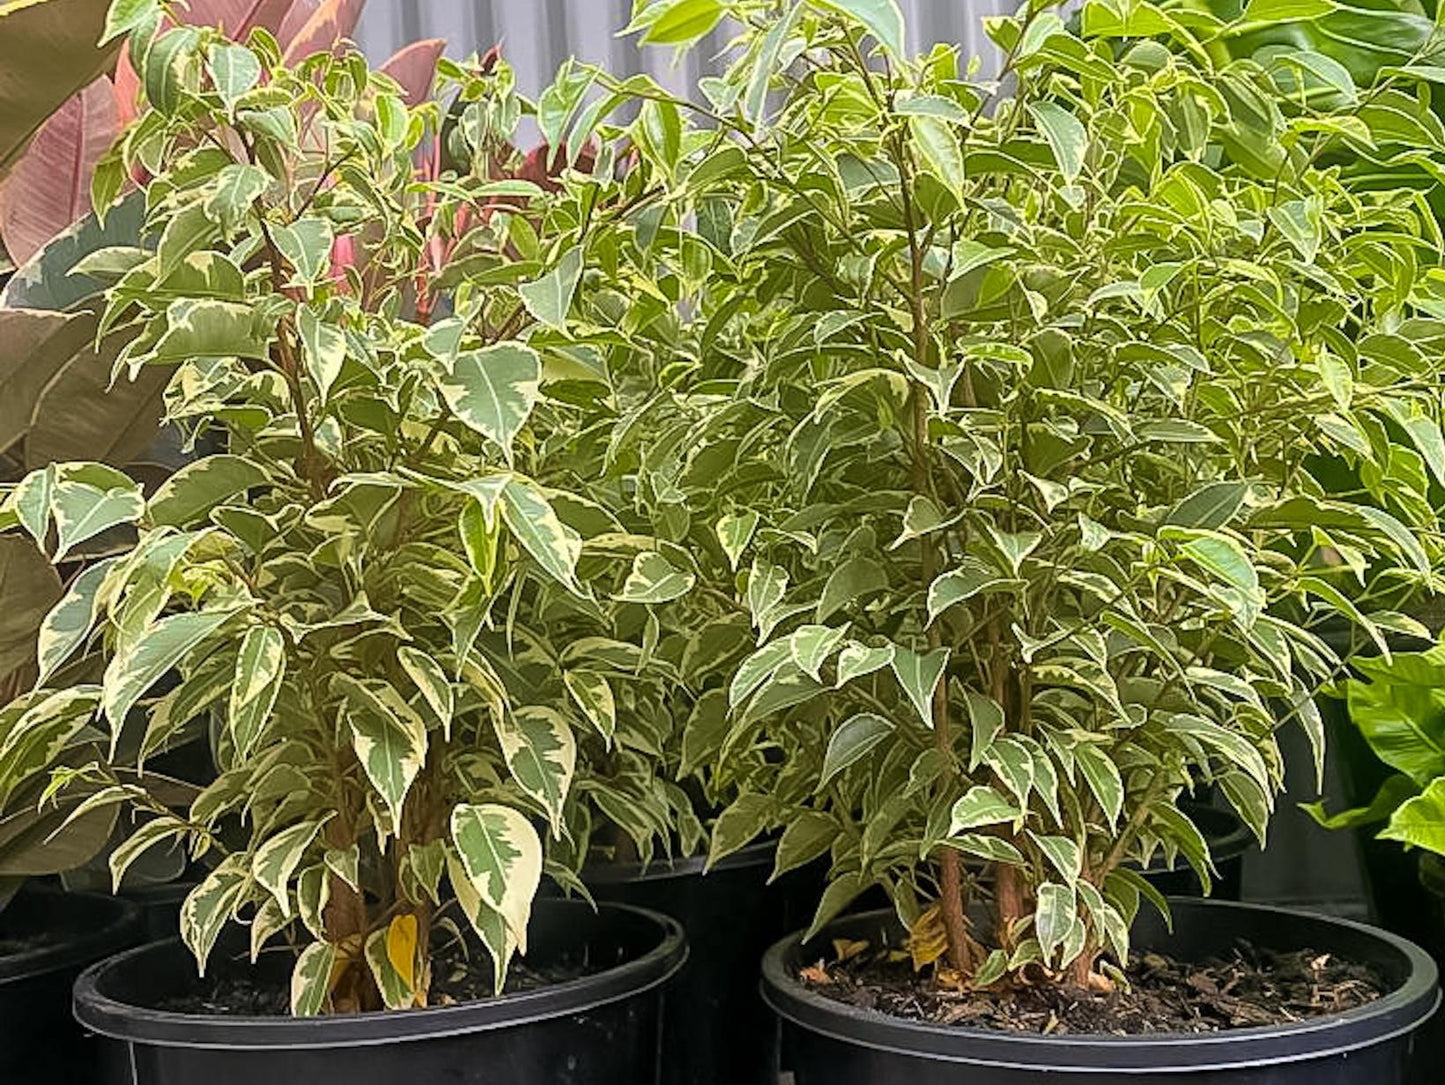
1228	838
825	1042
601	1029
52	936
717	1030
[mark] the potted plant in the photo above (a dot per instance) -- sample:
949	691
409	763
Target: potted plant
1008	402
361	600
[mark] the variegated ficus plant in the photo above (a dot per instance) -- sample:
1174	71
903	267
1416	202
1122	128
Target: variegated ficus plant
1005	397
393	603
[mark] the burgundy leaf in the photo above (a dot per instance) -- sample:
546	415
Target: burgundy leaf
49	188
296	17
414	66
332	21
237	18
127	90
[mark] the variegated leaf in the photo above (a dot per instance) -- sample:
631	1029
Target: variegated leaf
431	679
276	860
260	668
594	697
390	742
541	753
491	928
493	390
211	905
391	956
311	979
69	623
501	857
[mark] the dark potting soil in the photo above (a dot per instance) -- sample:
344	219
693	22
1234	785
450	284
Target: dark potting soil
1249	987
457	977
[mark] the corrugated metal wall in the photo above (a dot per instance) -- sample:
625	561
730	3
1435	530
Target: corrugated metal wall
536	35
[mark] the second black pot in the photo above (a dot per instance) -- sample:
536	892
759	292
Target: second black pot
59	934
826	1042
717	1030
601	1029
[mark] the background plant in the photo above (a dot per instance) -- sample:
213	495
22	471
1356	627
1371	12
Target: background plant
1008	406
405	641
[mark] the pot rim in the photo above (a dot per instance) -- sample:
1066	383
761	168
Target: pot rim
1399	1011
119	926
121	1020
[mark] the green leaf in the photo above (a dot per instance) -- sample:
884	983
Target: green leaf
1280	11
1211	506
493	390
82	512
324	347
1054	916
212	904
156	831
811	645
306	245
882	18
841	892
654	579
744	819
942	153
1062	853
234	70
550	297
684	22
192	492
981	806
987	719
857	660
489	924
593	695
390	741
260	668
852	740
233	193
311	979
1103	778
276	860
1066	136
432	682
919	676
734	532
501	856
135	668
123	16
971	578
808	835
530	517
67	626
541	754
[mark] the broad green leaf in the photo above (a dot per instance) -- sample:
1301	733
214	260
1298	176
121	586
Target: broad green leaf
1103	778
1066	136
260	669
1278	11
345	863
68	625
1211	506
757	669
134	669
541	755
311	979
922	517
734	532
971	578
234	70
306	245
211	905
1062	853
841	892
192	492
390	741
275	861
857	660
432	682
158	830
493	390
987	720
882	19
744	819
82	512
683	22
593	695
491	927
654	579
501	856
919	676
550	297
325	349
852	740
1054	916
938	142
811	645
808	835
234	192
530	517
981	806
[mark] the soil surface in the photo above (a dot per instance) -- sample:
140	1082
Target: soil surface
236	990
1246	988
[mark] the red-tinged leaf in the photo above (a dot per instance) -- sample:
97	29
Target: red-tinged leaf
329	24
127	90
47	54
414	67
237	18
297	16
49	188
